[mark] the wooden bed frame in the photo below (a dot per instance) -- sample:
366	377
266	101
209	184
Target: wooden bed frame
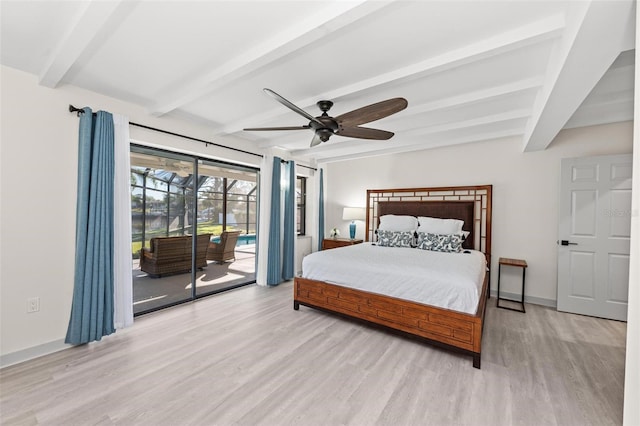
442	327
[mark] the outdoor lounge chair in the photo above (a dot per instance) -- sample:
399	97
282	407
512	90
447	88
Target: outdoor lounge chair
172	255
225	249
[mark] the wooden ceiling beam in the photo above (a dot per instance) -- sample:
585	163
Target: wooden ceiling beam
508	41
294	38
596	34
93	23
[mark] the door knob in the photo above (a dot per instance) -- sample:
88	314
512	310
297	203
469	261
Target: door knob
567	243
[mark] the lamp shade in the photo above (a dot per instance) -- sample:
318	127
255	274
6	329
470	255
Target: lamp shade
353	213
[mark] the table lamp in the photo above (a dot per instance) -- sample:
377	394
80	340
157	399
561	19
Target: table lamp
353	214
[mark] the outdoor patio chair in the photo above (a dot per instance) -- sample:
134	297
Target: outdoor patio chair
172	255
225	249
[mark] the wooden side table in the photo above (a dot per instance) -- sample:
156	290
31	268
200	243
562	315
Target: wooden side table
330	243
518	263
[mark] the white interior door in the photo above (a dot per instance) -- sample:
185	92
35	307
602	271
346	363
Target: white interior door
594	235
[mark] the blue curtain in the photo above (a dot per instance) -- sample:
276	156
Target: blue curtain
274	264
92	305
321	211
289	234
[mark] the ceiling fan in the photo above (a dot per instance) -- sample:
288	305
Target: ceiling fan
347	124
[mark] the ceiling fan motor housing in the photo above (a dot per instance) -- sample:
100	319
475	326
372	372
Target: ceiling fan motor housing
330	125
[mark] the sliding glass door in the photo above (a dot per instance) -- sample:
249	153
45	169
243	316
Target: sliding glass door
227	208
170	266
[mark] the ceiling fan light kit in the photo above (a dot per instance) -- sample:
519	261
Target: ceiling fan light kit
347	125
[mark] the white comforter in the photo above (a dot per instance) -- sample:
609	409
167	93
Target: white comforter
447	280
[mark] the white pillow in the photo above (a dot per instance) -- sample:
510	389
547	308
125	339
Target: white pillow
396	223
432	225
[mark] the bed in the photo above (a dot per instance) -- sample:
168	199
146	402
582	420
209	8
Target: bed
452	327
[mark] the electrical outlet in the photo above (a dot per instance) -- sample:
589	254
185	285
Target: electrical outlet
33	304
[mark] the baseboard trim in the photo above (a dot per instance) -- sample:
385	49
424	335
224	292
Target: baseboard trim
33	352
550	303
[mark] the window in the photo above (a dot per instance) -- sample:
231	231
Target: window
301	202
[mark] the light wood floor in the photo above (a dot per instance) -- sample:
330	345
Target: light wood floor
246	357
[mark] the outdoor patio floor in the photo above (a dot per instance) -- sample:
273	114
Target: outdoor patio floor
151	293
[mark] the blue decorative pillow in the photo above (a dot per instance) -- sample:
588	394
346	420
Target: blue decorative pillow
450	243
395	239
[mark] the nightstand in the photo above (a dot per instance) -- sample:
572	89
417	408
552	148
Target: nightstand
518	263
330	243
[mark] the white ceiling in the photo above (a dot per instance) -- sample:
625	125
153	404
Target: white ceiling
470	70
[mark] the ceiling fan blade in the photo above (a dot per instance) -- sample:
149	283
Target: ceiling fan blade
364	133
372	112
315	141
251	129
293	107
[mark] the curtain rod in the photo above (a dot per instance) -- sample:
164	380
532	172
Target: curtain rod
298	165
207	143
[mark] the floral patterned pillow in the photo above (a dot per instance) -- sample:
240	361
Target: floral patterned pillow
451	243
395	239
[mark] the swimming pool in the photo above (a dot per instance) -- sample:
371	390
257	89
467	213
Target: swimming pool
243	239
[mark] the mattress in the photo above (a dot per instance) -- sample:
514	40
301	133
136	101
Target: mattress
446	280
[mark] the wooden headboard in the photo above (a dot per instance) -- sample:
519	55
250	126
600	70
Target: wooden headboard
471	204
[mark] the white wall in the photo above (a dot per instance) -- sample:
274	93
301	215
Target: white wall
632	371
525	192
632	365
38	186
303	248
